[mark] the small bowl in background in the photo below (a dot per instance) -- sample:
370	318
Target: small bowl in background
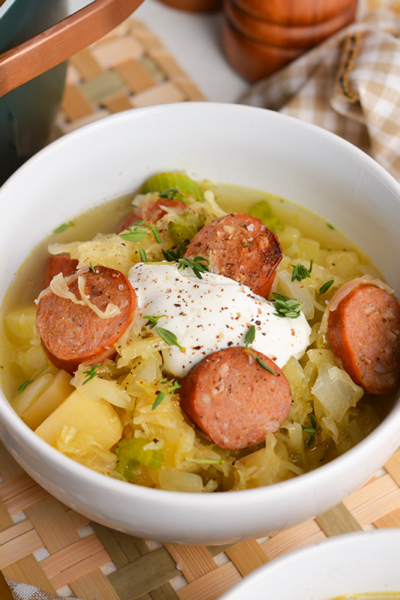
356	563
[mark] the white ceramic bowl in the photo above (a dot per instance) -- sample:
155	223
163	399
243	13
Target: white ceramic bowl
355	563
227	143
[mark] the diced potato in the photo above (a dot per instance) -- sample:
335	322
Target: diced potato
33	390
20	325
98	420
43	405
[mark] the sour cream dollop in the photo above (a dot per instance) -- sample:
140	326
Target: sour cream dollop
211	314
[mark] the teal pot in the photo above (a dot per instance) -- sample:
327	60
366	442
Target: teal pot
28	112
36	38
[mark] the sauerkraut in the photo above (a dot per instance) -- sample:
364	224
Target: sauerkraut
130	423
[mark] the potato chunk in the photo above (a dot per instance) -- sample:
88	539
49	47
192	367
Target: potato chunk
97	420
42	406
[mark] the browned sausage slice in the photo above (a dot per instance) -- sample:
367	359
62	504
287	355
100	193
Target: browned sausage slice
152	212
59	264
234	400
72	333
364	333
240	247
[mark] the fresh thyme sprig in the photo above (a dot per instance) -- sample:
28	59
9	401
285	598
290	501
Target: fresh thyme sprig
324	288
63	227
143	255
169	337
24	385
139	230
172	387
198	264
152	321
286	307
260	362
204	461
300	272
312	430
250	336
90	373
173	255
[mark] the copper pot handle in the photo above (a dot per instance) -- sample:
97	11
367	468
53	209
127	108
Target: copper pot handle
59	42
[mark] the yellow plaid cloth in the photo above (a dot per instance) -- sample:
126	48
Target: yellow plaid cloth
350	85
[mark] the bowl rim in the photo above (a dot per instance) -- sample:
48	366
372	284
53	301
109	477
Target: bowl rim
350	459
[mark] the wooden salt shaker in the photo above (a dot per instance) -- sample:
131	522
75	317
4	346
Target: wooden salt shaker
261	36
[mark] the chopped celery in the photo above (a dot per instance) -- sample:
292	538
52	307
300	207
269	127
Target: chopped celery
177	184
185	226
263	211
130	453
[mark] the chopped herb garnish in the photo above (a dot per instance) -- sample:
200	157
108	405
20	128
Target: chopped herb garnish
300	272
63	227
198	264
173	255
203	461
159	399
286	307
139	230
250	336
260	362
170	338
92	267
324	288
330	226
90	373
170	194
24	385
312	430
172	385
152	321
143	255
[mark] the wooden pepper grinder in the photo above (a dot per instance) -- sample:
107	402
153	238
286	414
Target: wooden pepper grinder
261	36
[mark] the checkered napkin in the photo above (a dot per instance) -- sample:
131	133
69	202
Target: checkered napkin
21	591
350	85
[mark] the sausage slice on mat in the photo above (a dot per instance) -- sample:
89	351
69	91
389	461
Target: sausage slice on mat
234	400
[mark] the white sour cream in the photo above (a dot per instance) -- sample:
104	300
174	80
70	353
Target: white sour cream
211	314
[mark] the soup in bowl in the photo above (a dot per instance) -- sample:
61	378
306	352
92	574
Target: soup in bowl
164	451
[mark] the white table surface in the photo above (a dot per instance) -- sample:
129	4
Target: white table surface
195	41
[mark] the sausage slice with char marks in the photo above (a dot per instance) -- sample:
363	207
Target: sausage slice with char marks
152	212
364	334
240	247
234	400
72	333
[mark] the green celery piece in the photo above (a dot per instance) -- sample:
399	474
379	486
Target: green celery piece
185	226
177	181
130	454
263	211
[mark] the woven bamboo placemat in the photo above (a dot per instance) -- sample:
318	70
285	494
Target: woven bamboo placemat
44	543
128	68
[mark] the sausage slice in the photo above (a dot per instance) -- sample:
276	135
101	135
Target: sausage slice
364	333
152	212
240	247
59	264
234	400
72	333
